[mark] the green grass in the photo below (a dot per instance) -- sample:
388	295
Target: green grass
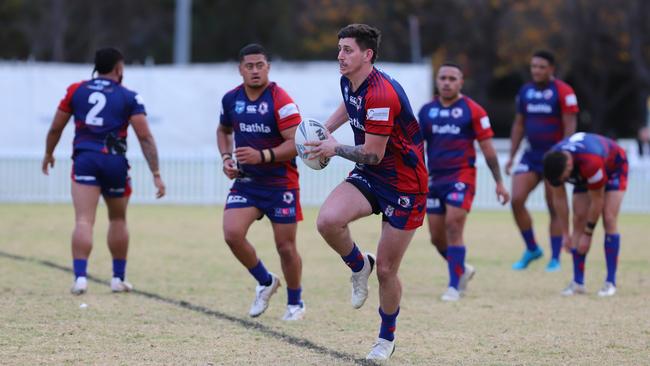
507	318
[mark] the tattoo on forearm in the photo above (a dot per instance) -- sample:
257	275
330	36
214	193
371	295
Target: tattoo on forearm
150	153
356	154
493	163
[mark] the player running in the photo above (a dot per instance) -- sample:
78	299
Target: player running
450	124
389	178
263	119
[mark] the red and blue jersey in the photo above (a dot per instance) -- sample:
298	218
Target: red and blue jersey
102	109
449	132
595	158
542	108
380	107
258	124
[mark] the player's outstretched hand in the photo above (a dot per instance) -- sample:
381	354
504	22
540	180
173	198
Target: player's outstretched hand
323	148
502	194
508	167
230	168
48	162
248	155
160	185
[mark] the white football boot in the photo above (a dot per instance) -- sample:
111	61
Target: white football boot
574	288
295	312
360	281
381	350
79	286
117	285
263	295
609	289
450	295
468	274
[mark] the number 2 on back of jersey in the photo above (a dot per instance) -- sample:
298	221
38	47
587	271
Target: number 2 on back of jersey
99	101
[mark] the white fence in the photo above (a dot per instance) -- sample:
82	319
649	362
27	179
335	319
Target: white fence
197	179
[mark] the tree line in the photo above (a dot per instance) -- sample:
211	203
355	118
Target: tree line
603	46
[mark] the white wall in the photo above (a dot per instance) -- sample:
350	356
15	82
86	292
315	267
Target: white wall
183	102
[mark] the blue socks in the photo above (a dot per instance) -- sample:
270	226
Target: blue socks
354	260
556	247
455	264
260	273
578	266
293	296
612	246
529	238
119	268
388	323
79	266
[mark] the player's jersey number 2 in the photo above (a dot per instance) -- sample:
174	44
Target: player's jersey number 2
98	100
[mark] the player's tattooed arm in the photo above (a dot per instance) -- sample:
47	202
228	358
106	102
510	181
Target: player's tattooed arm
150	153
357	154
491	158
147	142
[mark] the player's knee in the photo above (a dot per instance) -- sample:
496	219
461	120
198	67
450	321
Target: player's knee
385	270
609	222
518	202
233	236
327	222
287	249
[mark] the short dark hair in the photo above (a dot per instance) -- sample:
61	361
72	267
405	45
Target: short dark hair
554	165
253	49
106	59
367	37
546	55
452	64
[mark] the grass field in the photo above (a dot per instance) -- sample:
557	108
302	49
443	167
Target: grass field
193	297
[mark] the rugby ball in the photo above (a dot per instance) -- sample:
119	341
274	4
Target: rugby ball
310	129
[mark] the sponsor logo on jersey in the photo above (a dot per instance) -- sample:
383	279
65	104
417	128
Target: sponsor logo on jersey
548	94
355	123
444	113
485	122
378	114
84	178
345	93
404	201
539	108
460	186
356	101
287	110
389	210
138	99
285	211
263	108
236	199
445	129
433	203
254	127
433	112
287	197
457	112
240	105
456	197
251	109
571	100
596	177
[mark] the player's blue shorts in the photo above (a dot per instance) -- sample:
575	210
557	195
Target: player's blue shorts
109	172
403	211
281	206
531	161
458	194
